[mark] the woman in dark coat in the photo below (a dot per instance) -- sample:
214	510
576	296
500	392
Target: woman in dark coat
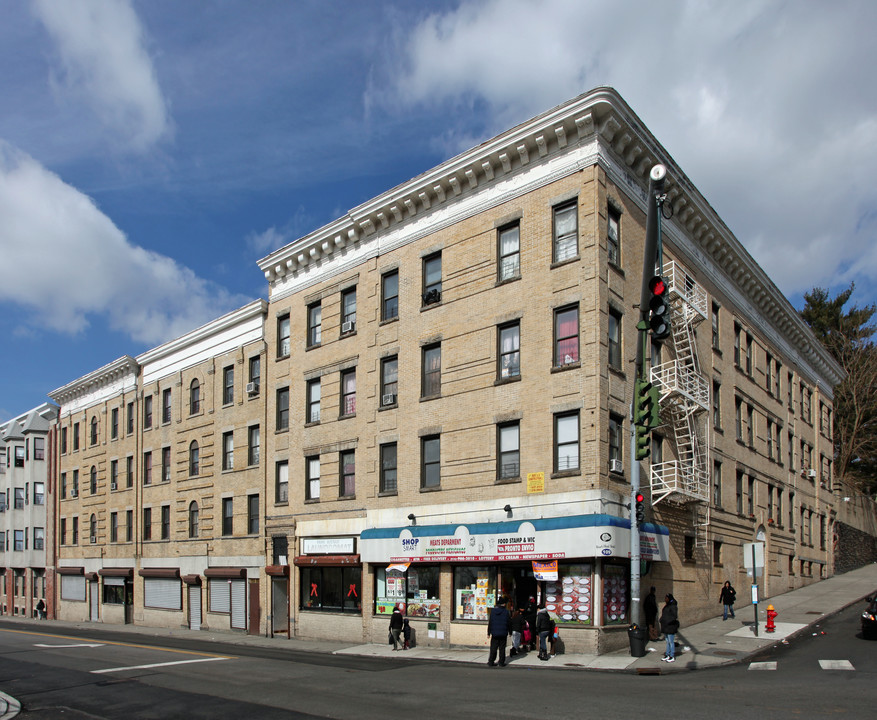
670	626
727	597
650	608
397	621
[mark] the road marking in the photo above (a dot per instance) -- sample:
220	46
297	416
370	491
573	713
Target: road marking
43	645
156	665
836	665
770	665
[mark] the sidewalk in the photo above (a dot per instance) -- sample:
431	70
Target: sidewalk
707	644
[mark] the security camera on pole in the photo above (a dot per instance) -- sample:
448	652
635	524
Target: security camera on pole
654	318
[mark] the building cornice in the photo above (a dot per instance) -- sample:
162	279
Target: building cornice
124	367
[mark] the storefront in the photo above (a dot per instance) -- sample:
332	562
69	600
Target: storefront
452	575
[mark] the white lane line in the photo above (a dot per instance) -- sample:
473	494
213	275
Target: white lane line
156	665
836	665
43	645
770	665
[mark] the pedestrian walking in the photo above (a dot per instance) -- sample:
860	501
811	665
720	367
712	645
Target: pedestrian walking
517	627
397	622
498	629
543	630
650	608
406	634
727	598
670	626
41	609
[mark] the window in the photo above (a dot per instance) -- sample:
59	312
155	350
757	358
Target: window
312	478
717	405
147	411
348	311
194	519
714	317
432	371
717	552
768	375
18	539
93	432
114	527
432	279
228	451
92	484
194	397
147	468
566	336
348	393
750	504
615	339
389	380
62	532
565	232
738	417
717	484
390	295
566	442
19	499
129	471
75	436
227	516
313	401
388	468
770	491
281	482
39	493
129	525
63	441
613	243
129	418
194	459
74	532
509	351
166	406
283	408
616	425
114	423
315	324
347	474
283	336
255	375
770	439
39	538
806	414
228	385
749	344
430	469
790	388
508	437
252	514
75	488
750	425
147	523
332	589
688	548
253	445
738	331
509	239
165	522
19	456
791	451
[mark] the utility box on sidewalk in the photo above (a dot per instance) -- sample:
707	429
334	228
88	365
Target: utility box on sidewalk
637	637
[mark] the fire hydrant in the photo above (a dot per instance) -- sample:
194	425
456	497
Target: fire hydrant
771	614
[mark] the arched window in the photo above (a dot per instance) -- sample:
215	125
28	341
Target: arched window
194	464
193	519
94	528
93	480
94	431
195	397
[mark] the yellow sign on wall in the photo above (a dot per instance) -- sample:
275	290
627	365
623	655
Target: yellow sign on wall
535	482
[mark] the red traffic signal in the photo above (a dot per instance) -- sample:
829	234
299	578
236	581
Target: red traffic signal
659	322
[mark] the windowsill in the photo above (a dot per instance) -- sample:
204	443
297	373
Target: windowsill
312	501
566	473
312	423
616	267
387	321
430	489
427	398
278	431
253	396
389	493
507	380
717	351
424	308
615	370
569	366
284	503
347	417
506	281
508	481
347	334
347	497
388	407
560	263
719	430
313	347
282	357
617	475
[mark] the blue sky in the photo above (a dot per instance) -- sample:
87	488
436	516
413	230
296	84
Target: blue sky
152	151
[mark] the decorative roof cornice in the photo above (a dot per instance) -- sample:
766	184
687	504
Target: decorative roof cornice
124	367
600	115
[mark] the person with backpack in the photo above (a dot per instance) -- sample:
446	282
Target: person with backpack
727	598
670	626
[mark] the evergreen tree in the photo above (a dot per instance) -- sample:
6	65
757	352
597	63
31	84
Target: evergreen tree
848	336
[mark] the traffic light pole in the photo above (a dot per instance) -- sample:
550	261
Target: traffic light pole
650	256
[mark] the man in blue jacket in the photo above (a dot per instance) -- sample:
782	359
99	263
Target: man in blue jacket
498	629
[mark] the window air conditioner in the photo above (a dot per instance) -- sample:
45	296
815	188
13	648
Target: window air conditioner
73	493
388	399
616	466
811	473
348	326
113	485
252	388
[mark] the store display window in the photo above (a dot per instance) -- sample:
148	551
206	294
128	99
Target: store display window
615	594
331	589
416	587
569	599
474	591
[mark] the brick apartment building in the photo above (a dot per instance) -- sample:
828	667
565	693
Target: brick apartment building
437	394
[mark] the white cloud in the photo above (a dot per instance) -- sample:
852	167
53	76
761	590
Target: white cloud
65	262
770	108
102	58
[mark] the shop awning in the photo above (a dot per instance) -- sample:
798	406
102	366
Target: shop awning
71	570
226	572
117	572
159	572
277	570
565	537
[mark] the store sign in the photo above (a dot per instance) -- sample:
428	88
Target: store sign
545	570
327	546
542	539
536	482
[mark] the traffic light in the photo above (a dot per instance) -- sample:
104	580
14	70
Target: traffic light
659	309
639	509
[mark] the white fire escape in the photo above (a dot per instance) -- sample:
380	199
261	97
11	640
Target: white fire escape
685	405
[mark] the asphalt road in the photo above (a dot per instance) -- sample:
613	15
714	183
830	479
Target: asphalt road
109	674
